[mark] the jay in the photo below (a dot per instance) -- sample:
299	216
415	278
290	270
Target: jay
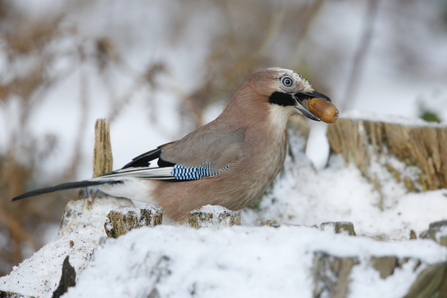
228	162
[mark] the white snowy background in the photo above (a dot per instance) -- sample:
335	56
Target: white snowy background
405	72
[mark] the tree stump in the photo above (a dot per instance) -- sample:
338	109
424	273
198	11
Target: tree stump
437	231
102	154
431	282
418	144
385	265
121	221
214	217
331	275
5	294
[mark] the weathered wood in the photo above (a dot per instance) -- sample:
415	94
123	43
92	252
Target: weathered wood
151	216
213	217
437	231
431	282
6	294
420	146
102	154
385	265
331	275
119	222
68	278
154	294
338	227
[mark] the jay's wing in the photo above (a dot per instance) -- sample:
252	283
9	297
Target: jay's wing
203	153
145	159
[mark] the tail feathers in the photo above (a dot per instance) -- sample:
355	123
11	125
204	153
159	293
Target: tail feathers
69	185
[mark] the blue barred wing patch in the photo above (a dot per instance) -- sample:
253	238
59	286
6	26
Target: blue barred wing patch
195	173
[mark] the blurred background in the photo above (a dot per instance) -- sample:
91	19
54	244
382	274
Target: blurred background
158	69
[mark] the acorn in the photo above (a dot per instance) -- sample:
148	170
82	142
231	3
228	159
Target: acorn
323	109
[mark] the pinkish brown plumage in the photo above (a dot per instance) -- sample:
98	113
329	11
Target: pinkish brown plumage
229	161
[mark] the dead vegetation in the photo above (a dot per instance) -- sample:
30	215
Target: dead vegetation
30	51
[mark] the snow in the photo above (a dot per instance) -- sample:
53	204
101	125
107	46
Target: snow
80	234
390	118
179	261
246	261
236	262
304	195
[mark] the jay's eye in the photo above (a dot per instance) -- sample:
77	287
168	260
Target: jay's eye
287	81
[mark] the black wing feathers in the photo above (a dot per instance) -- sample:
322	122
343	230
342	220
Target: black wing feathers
144	160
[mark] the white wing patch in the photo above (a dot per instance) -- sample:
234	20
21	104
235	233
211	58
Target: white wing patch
143	172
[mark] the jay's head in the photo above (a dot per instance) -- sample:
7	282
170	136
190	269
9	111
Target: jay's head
284	90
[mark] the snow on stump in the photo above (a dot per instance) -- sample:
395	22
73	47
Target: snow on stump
332	278
331	275
82	227
121	221
437	231
214	217
339	227
416	144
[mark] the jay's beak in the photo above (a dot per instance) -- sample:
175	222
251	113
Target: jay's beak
300	97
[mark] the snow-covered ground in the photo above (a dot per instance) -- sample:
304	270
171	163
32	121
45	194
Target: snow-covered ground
177	261
240	262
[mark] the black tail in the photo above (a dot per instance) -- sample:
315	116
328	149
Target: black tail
69	185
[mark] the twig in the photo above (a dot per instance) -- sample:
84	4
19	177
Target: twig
360	55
